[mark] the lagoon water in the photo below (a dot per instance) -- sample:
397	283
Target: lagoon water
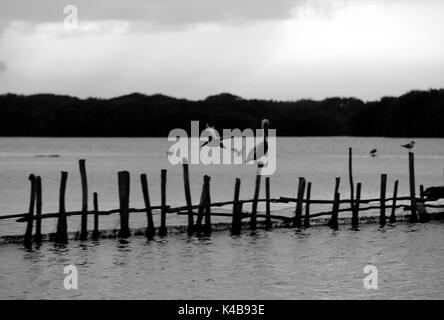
315	263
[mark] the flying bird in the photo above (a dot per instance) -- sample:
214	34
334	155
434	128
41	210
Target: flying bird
215	141
374	153
408	145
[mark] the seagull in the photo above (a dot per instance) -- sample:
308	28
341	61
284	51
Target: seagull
260	150
408	145
374	152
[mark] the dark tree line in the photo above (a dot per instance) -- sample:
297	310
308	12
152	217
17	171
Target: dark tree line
415	114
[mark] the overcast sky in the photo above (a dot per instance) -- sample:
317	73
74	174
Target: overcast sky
280	49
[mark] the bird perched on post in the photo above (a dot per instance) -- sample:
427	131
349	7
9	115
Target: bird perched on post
408	145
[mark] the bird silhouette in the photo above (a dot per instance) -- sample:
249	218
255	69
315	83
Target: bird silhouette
259	151
408	145
374	152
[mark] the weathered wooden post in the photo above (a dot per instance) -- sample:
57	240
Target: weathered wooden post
382	218
124	193
337	183
333	223
355	215
62	225
38	213
207	206
201	209
267	204
413	215
307	207
150	230
350	176
186	180
30	220
253	220
297	222
395	196
84	219
163	212
422	211
236	224
96	232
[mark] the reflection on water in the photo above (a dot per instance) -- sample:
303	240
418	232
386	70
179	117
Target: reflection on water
314	263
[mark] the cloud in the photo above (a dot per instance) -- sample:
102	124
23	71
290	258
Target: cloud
2	66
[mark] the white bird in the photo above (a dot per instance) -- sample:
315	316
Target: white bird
215	141
408	145
260	150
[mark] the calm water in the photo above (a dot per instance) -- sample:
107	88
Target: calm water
280	264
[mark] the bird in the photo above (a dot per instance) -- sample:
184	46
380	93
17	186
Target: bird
408	145
374	152
261	149
214	140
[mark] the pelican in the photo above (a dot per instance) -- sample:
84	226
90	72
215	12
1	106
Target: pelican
408	145
260	150
374	153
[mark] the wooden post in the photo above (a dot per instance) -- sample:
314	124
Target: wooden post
30	221
297	222
350	176
395	195
253	220
186	180
84	220
382	219
236	224
96	232
337	183
62	225
307	207
163	181
333	223
267	204
124	193
207	206
413	215
422	211
38	213
355	217
202	207
150	230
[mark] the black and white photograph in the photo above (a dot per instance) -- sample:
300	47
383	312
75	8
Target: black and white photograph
239	151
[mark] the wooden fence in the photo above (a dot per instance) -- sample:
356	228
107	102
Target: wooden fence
199	215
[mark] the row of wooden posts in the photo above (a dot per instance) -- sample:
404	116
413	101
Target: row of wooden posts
202	225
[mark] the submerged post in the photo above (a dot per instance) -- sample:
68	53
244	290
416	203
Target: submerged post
38	213
267	204
253	220
124	193
297	222
355	217
413	215
201	210
30	220
186	181
163	181
207	206
350	176
307	207
236	223
422	211
150	231
96	232
333	223
382	219
62	225
84	220
395	196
